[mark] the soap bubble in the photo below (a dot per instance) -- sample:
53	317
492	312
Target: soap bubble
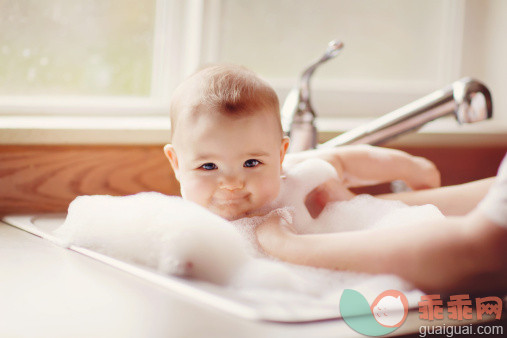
179	237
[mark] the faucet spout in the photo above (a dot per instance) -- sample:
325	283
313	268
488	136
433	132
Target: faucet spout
467	99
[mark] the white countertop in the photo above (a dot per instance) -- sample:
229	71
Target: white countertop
49	291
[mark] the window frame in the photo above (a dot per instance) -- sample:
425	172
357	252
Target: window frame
168	69
192	27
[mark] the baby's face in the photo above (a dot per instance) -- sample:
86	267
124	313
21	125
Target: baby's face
230	165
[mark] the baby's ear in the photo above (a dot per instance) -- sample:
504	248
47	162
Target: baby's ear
170	153
283	149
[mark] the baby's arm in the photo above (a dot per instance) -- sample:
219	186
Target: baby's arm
361	165
366	165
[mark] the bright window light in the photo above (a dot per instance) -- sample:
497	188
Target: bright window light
124	57
89	56
76	48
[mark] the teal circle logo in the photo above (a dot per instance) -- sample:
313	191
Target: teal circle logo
387	312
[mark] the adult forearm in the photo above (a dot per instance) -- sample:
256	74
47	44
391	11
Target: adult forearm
367	251
456	200
442	256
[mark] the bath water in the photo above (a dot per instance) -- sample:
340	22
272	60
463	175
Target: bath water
179	237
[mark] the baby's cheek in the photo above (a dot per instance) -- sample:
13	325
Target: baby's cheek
195	190
269	189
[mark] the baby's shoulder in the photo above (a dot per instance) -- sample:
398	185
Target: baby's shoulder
310	170
303	177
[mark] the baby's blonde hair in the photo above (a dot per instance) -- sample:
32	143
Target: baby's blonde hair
228	89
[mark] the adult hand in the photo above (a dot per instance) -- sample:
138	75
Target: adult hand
274	234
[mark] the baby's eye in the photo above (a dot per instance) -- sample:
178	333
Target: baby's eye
251	163
208	166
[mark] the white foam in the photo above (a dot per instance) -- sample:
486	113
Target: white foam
166	233
179	237
361	212
298	181
246	226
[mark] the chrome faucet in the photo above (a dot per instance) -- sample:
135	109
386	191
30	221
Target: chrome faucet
297	113
467	99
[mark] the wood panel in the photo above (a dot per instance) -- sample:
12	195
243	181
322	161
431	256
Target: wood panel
460	165
48	178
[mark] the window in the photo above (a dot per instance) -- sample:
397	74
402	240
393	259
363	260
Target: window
126	56
69	48
67	56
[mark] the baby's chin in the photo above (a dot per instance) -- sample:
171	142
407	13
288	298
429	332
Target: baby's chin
229	213
233	214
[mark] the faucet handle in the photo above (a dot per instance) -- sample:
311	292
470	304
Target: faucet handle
297	113
333	49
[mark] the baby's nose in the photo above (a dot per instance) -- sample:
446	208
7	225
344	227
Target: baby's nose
231	182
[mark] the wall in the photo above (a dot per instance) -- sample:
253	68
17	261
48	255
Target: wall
395	50
485	49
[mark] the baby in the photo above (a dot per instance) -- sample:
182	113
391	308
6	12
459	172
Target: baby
227	141
227	152
228	147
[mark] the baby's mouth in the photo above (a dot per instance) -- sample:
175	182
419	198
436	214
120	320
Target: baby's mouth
230	198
